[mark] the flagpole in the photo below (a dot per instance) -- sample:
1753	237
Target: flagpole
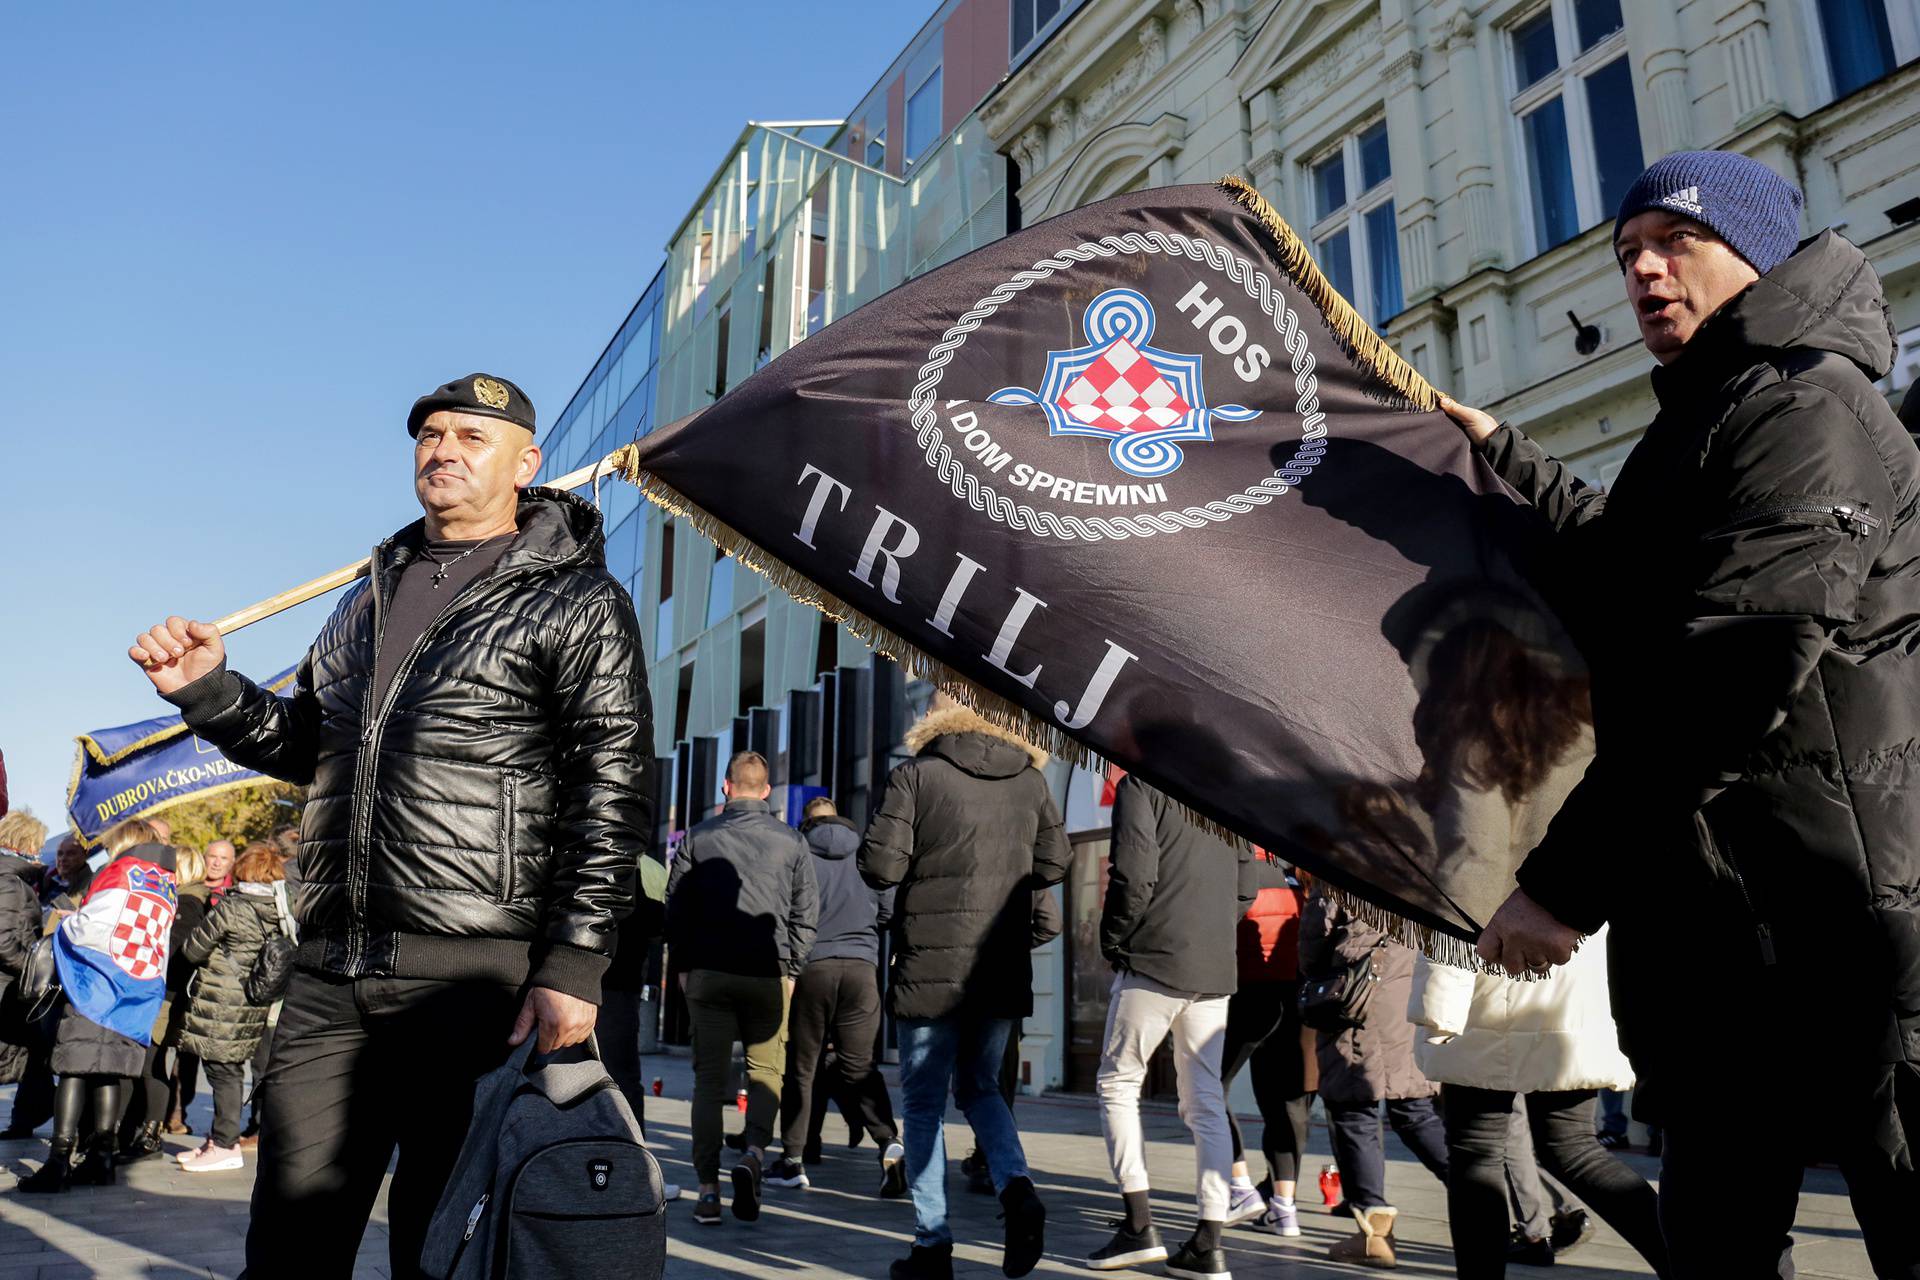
592	473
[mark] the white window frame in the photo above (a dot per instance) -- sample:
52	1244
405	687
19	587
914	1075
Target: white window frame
1351	216
909	157
1569	83
1903	21
879	139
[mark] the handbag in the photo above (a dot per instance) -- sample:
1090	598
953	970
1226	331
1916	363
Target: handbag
38	986
272	969
1339	1000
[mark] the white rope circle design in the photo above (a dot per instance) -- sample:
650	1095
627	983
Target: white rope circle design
1021	517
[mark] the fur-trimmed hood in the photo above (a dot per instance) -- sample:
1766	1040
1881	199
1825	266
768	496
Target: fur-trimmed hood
958	722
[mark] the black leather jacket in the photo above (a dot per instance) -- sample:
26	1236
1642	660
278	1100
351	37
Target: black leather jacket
484	821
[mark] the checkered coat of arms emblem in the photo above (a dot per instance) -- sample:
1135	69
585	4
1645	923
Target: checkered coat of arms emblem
137	938
1144	401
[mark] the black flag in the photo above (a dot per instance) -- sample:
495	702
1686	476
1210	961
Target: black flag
1137	483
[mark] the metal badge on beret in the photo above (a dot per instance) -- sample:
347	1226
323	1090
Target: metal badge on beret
489	393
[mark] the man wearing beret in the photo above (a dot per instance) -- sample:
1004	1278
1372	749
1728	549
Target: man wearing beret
1748	597
475	733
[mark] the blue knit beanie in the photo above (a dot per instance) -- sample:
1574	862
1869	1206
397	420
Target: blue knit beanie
1747	204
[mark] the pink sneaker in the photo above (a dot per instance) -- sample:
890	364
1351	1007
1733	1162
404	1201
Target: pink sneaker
212	1159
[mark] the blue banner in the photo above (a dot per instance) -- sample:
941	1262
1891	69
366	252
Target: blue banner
797	798
134	770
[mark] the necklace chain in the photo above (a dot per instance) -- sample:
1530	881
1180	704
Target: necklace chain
446	566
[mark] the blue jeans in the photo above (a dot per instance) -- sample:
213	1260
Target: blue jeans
962	1052
1613	1114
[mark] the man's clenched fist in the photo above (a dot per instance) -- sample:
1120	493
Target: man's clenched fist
177	652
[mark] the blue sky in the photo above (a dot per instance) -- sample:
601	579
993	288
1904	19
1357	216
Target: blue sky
237	240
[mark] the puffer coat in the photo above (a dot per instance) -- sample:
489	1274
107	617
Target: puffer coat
968	830
1489	1031
19	930
1749	605
1372	1062
221	1026
482	822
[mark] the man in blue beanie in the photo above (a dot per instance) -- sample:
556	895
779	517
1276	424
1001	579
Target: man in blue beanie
1748	597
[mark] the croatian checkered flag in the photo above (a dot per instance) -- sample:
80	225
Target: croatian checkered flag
1139	485
112	952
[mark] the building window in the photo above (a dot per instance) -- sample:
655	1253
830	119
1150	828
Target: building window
876	156
753	666
1866	39
663	620
923	116
826	646
1354	236
722	339
719	588
810	274
683	698
1031	20
763	352
1579	133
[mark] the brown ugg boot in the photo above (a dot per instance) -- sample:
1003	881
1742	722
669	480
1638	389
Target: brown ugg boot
1373	1245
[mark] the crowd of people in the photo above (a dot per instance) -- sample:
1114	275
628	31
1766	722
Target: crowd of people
110	1096
1724	788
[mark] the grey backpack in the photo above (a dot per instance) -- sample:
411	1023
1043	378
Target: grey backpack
553	1181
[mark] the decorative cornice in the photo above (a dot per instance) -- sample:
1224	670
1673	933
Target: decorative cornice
1148	39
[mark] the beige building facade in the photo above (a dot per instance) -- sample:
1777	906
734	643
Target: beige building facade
1457	164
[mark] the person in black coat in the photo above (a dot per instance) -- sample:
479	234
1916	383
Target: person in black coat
473	728
968	829
19	930
1749	605
92	1061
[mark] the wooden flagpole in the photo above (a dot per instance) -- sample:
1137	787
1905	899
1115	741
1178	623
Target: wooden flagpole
589	474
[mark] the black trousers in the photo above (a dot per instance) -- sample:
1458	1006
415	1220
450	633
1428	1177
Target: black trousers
1719	1166
33	1100
360	1067
618	1034
228	1081
841	997
1478	1123
1263	1031
1359	1150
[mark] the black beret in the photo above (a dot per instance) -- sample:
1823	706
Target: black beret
476	393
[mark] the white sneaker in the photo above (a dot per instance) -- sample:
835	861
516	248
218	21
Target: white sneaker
1244	1205
1280	1219
893	1172
213	1159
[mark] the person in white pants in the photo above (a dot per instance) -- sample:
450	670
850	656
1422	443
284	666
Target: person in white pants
1175	896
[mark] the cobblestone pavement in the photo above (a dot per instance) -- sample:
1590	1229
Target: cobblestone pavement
162	1222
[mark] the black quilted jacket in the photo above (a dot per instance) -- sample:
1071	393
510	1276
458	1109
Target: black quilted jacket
221	1024
1750	605
484	821
968	830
